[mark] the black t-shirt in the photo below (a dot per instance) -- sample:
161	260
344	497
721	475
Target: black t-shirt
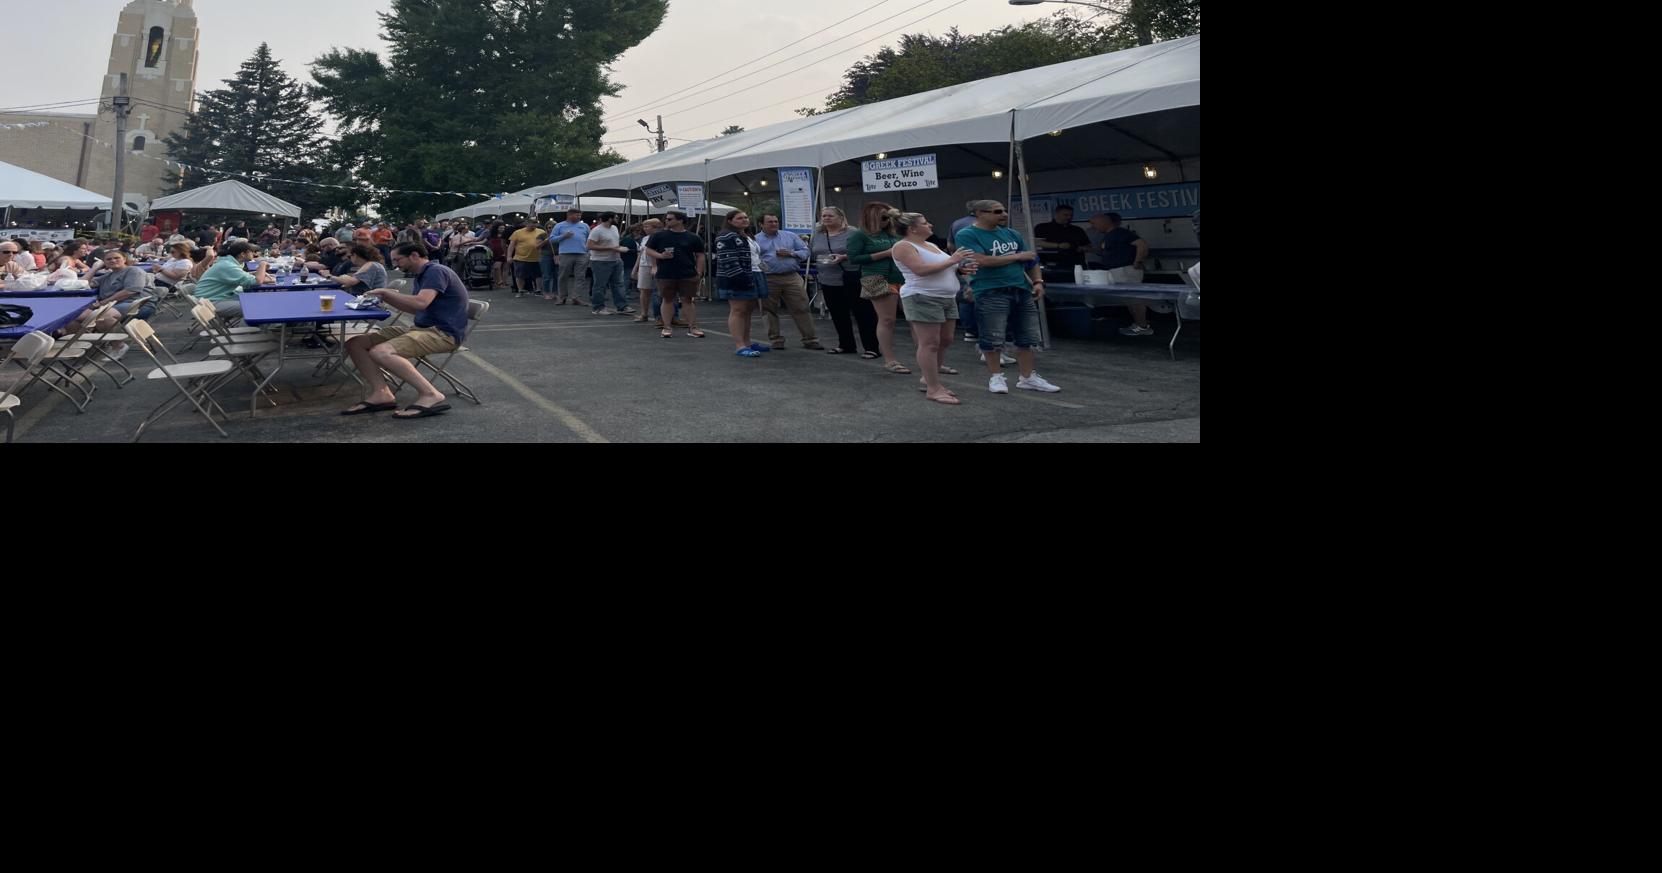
1053	232
685	245
1118	248
331	259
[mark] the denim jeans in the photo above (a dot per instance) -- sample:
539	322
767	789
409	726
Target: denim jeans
550	276
607	275
1007	311
145	312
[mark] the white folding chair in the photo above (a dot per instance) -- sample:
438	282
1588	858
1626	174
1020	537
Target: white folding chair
28	352
476	310
237	348
195	382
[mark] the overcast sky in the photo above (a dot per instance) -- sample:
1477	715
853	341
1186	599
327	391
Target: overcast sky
301	30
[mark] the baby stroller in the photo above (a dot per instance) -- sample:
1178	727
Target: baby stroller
476	267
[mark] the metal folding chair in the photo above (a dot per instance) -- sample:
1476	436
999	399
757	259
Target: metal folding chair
239	349
476	310
28	352
195	382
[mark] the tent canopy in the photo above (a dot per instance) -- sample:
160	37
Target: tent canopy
229	197
522	202
1141	83
25	189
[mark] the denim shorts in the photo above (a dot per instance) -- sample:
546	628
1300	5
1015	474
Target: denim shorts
1007	311
758	290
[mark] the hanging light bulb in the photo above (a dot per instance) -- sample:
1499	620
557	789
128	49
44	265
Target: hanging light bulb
1055	133
882	155
838	189
998	174
1149	172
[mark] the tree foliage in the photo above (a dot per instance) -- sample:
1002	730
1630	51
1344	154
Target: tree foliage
479	95
924	63
261	125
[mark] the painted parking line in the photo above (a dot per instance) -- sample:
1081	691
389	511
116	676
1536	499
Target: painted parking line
566	417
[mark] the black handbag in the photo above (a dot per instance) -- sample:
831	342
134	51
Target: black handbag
12	315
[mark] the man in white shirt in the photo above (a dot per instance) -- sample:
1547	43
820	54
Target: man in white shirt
606	263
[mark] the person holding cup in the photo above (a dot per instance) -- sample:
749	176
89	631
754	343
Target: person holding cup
841	286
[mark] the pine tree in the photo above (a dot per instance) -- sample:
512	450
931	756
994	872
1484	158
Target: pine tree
480	95
261	125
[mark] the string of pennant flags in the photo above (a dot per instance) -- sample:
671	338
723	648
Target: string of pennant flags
306	182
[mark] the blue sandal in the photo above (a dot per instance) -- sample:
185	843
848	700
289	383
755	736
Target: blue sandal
760	348
748	353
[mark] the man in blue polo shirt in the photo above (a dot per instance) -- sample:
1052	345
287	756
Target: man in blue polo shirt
439	303
572	236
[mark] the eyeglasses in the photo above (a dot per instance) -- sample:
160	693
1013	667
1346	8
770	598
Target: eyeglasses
995	211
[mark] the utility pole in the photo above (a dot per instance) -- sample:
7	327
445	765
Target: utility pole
663	144
123	105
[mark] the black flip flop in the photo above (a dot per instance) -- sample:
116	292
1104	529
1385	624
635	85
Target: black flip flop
371	408
424	412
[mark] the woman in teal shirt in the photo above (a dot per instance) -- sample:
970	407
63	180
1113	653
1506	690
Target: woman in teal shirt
869	248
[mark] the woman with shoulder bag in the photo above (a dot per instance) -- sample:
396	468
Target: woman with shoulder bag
841	285
869	248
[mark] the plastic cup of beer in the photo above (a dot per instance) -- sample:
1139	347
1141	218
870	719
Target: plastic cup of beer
328	301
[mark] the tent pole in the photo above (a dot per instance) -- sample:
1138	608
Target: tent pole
709	236
1010	189
1027	221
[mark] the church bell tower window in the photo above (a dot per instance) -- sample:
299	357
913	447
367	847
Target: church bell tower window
153	47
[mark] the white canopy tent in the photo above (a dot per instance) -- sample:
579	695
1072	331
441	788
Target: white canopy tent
26	189
227	197
521	203
1096	91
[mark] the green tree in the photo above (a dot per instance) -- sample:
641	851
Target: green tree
260	125
924	63
479	95
732	129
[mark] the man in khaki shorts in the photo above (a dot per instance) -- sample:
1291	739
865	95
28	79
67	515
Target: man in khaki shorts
439	303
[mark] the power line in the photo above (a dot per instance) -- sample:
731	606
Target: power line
760	108
821	60
45	106
660	100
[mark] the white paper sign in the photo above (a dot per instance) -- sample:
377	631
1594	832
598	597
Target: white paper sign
915	173
796	199
660	195
691	197
36	233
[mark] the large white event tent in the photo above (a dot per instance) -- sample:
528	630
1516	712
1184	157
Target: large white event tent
1093	120
27	191
231	197
521	202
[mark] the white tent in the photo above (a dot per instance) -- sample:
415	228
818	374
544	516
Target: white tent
522	202
228	197
1096	91
25	189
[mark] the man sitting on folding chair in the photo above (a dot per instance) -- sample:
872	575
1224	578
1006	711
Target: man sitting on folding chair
438	300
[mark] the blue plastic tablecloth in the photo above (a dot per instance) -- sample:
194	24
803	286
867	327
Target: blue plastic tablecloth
50	314
302	307
48	291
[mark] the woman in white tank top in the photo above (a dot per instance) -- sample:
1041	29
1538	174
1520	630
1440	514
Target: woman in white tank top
930	298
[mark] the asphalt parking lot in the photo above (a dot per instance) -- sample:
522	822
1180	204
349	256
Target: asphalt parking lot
557	374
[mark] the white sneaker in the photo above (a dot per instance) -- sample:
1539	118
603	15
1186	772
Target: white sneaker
1036	382
1003	359
117	351
998	384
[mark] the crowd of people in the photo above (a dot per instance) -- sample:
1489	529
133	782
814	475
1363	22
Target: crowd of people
981	275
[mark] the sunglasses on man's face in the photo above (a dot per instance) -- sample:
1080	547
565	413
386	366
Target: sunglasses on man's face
995	211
